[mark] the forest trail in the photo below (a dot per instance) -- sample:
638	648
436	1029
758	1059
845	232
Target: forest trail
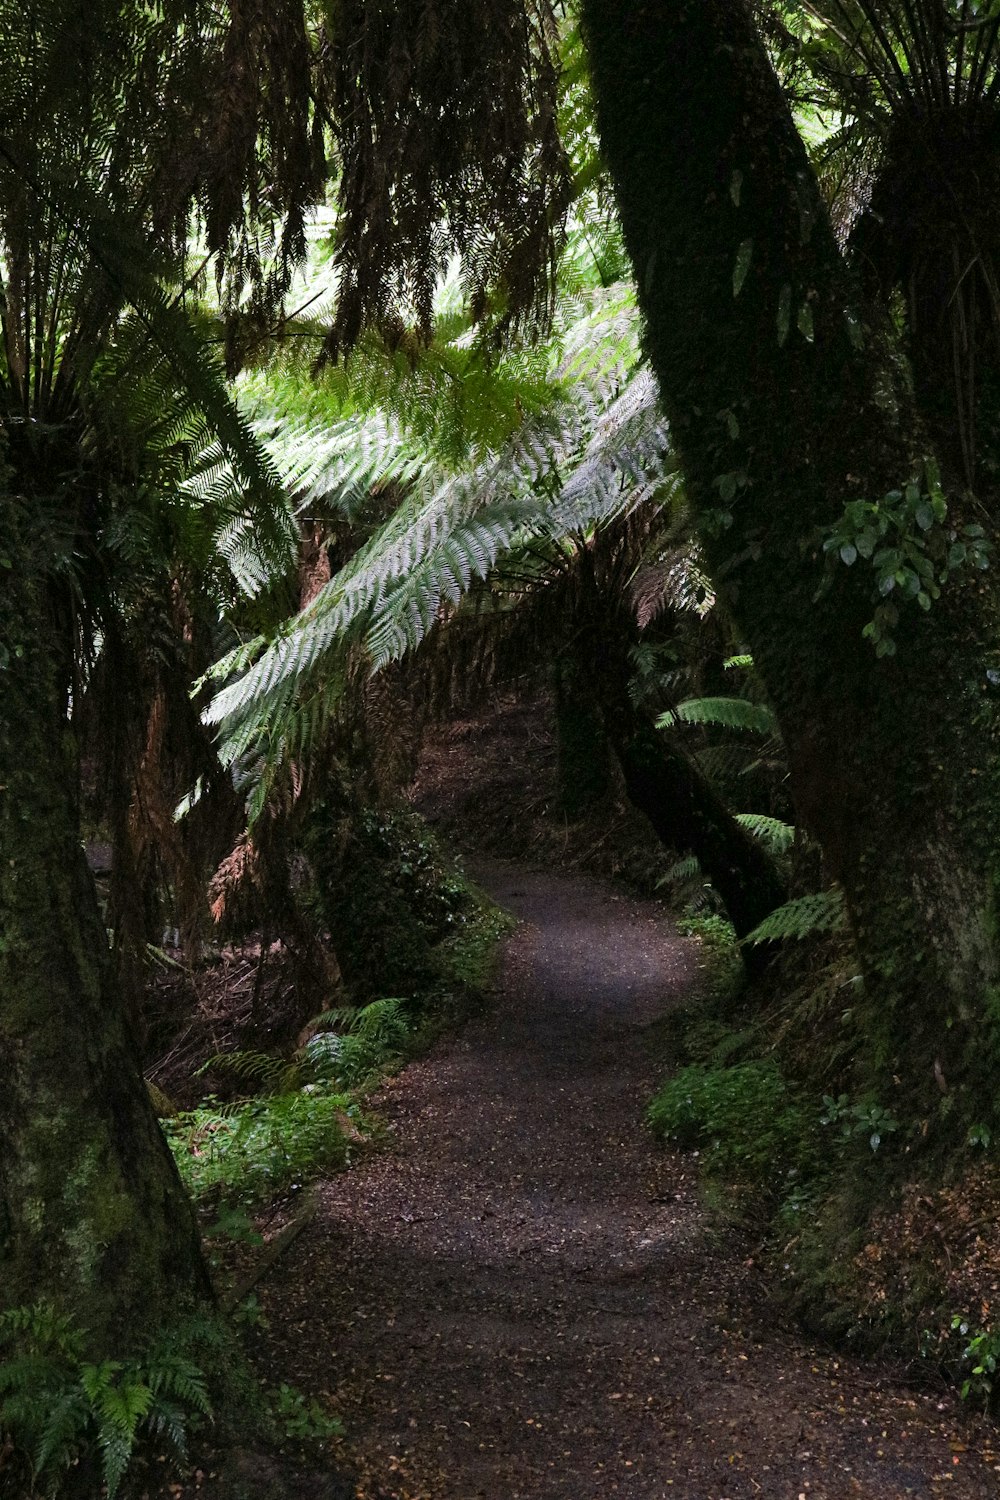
521	1299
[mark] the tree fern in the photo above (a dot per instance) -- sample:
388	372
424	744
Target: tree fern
445	536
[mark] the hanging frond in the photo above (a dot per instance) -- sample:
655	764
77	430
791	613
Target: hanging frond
806	916
444	117
778	836
728	713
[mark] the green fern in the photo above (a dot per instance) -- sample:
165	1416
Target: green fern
806	916
773	832
56	1405
727	713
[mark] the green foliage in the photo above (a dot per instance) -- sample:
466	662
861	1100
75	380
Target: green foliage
863	1117
590	454
750	1123
56	1404
721	959
729	713
777	835
375	1038
256	1149
911	549
298	1416
386	895
803	917
980	1356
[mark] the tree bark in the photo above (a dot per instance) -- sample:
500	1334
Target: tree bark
583	761
783	406
93	1216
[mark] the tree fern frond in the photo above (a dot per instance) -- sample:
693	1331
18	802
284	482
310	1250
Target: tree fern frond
804	917
728	713
773	832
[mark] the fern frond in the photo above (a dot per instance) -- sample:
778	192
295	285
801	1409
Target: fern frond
804	917
773	832
727	713
682	870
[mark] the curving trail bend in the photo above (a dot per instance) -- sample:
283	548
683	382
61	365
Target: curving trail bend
522	1300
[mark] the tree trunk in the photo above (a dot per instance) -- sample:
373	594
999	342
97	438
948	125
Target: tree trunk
688	813
583	761
93	1216
782	408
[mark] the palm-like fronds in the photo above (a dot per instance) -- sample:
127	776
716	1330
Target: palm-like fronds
560	475
729	713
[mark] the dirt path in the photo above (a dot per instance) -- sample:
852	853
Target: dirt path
522	1300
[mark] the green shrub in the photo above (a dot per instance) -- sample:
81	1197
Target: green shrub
57	1406
979	1360
721	960
750	1122
302	1417
257	1149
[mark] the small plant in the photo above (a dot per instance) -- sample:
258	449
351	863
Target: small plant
751	1123
56	1404
368	1040
911	547
980	1357
302	1418
252	1151
864	1118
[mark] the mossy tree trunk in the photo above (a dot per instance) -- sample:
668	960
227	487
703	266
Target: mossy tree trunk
93	1216
783	407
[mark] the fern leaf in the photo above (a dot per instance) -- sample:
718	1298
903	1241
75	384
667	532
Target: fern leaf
681	871
727	713
773	832
804	917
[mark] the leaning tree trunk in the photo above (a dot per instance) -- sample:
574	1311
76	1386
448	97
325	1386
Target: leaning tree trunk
783	408
93	1216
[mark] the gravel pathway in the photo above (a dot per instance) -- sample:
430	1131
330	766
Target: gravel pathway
522	1299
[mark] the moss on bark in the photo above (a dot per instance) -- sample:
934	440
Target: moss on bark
784	405
92	1214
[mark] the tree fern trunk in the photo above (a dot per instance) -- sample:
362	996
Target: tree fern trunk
583	759
92	1214
783	409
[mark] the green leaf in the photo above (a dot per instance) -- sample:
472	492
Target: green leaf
784	313
806	915
742	266
924	515
854	330
848	553
736	186
731	713
805	322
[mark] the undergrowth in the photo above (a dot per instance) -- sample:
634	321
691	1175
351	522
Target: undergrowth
864	1242
253	1150
62	1410
748	1121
